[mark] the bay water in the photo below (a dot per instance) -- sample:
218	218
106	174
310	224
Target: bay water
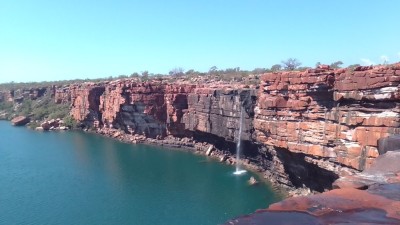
79	178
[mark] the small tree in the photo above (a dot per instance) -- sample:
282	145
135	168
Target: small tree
122	76
230	70
69	121
336	65
291	64
189	72
259	70
276	67
212	70
353	66
177	71
145	75
135	74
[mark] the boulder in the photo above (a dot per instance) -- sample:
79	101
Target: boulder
391	143
385	169
252	181
223	158
45	125
323	66
116	134
20	121
209	150
63	128
3	115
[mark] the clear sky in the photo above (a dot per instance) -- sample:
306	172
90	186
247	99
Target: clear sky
68	39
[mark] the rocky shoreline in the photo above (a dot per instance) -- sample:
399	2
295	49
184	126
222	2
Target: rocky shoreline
195	147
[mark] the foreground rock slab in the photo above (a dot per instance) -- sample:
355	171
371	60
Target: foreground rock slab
370	197
378	205
385	170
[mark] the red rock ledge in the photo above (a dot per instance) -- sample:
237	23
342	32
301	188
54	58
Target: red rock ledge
371	197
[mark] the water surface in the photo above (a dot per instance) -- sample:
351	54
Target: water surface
79	178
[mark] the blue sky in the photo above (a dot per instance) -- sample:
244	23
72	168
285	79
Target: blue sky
55	40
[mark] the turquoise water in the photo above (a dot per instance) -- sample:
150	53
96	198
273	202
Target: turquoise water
79	178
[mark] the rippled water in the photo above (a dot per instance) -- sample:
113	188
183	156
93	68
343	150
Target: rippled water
79	178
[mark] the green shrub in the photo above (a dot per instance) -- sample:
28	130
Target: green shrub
69	121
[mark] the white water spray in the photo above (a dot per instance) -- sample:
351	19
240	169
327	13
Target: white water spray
238	145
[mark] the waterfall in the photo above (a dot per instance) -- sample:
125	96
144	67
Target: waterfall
325	121
337	117
238	145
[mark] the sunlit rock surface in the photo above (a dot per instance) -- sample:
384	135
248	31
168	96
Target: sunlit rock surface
371	197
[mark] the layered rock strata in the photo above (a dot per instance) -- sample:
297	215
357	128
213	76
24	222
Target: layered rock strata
157	109
306	129
85	101
330	118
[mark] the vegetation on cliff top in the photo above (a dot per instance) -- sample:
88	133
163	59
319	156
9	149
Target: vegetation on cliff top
228	74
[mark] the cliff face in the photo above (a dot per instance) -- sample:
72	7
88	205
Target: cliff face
85	100
367	110
62	95
334	114
217	111
156	109
307	128
135	107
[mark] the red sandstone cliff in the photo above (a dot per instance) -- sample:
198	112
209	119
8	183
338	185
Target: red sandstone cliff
85	102
311	127
334	114
158	109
